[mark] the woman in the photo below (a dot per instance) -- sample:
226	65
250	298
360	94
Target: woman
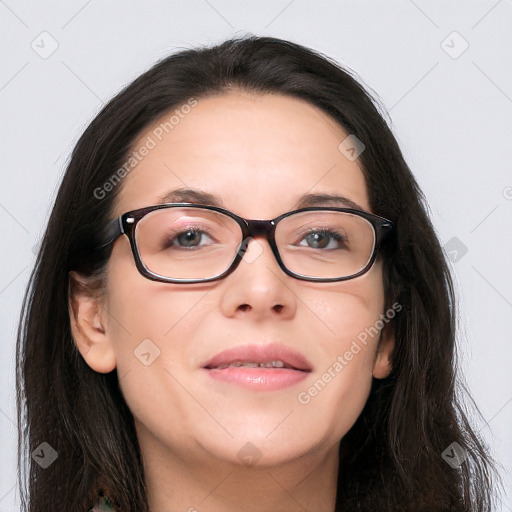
173	355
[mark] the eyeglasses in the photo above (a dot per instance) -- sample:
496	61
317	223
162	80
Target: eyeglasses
192	243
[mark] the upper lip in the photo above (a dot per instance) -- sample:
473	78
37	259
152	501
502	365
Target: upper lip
260	354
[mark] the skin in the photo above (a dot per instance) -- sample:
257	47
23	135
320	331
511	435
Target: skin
259	154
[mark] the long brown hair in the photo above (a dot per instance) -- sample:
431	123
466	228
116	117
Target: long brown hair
392	458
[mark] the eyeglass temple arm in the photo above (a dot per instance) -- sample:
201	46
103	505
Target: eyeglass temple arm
385	231
114	231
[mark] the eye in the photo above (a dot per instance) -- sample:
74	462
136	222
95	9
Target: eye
320	239
189	238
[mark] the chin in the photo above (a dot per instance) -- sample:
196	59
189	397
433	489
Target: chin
255	449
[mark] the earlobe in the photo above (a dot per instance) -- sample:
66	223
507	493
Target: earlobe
88	323
382	366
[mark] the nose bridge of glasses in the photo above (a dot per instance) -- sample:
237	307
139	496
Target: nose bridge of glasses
259	228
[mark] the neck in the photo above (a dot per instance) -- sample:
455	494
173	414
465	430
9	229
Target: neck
198	483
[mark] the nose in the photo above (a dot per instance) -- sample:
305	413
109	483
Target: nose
258	287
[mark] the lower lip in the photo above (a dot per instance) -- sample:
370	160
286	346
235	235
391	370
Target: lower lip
263	379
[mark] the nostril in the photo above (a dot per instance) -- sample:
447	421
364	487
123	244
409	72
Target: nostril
278	307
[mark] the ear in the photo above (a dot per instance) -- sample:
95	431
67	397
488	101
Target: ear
382	365
88	316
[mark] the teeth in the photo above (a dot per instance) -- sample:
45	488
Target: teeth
270	364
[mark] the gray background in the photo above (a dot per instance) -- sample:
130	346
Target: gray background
450	108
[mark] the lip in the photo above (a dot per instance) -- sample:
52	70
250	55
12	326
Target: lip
259	378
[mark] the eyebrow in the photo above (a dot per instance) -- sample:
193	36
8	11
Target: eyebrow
187	195
326	199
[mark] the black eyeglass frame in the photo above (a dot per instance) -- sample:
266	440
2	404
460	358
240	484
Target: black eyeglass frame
127	223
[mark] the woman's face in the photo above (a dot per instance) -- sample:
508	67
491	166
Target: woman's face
259	155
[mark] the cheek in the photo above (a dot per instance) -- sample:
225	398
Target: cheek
348	316
150	328
350	312
146	316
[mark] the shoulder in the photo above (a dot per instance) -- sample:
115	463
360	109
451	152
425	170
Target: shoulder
103	504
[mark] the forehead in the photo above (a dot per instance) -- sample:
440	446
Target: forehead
257	153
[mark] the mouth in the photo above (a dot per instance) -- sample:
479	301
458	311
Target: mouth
273	355
246	364
259	367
